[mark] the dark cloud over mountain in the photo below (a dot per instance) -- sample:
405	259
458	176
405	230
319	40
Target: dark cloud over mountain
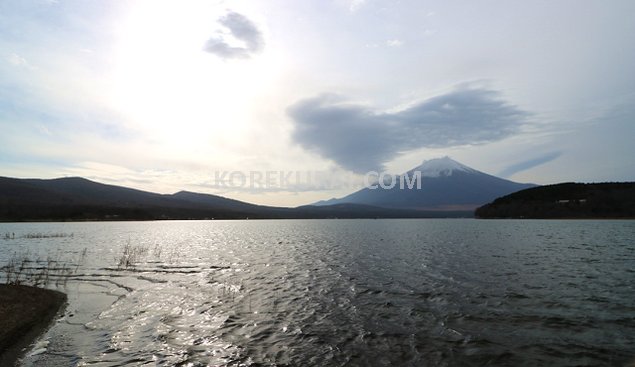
360	139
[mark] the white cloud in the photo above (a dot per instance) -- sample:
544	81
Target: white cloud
356	4
16	60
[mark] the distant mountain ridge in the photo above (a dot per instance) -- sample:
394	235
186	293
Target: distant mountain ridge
445	185
76	198
79	198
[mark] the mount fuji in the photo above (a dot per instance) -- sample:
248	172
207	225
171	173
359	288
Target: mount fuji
445	185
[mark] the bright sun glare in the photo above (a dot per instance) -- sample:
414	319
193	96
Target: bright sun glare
171	89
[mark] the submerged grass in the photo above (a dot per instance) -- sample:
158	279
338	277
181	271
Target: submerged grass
131	255
47	235
23	269
37	235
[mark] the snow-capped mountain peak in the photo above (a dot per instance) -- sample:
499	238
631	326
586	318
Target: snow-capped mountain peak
441	167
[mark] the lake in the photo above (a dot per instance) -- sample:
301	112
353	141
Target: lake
421	292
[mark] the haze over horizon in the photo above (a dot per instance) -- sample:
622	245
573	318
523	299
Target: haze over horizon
161	95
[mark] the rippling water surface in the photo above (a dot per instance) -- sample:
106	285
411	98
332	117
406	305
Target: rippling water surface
338	292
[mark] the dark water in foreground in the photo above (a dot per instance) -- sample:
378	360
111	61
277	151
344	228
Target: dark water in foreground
340	293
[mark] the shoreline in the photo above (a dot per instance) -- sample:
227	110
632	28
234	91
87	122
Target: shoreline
298	218
25	314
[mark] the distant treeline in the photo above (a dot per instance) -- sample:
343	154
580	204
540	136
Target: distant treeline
566	200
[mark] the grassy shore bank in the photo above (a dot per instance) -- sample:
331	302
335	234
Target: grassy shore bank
25	312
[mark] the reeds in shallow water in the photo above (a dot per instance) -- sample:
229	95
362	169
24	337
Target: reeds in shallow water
21	269
131	255
37	235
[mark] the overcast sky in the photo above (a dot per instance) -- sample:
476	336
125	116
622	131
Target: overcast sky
163	96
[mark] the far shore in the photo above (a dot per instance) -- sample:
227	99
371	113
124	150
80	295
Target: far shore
264	218
25	313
